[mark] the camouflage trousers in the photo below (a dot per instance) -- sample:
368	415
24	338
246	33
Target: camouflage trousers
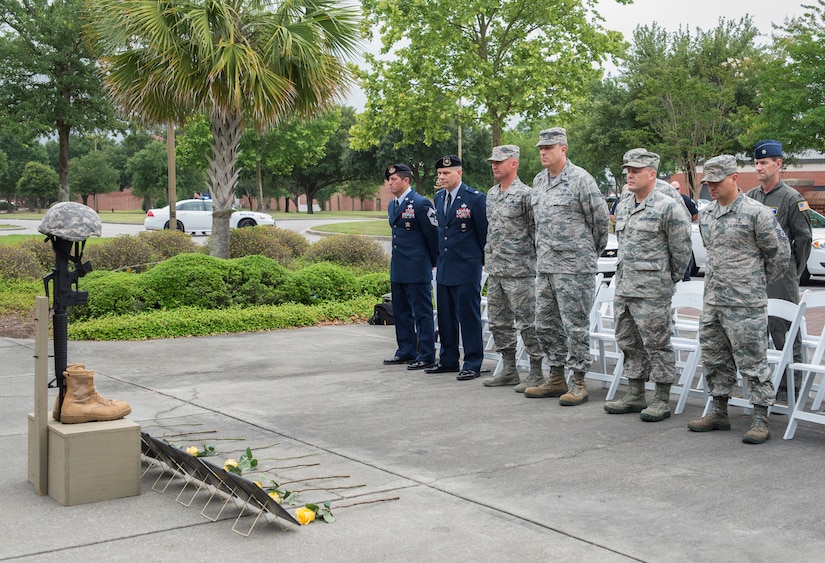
643	328
735	338
511	307
563	303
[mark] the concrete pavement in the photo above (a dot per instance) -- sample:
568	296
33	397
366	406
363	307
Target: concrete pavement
482	474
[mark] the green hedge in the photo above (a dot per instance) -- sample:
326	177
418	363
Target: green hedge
204	282
191	321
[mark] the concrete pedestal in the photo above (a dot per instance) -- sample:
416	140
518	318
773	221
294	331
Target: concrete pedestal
92	461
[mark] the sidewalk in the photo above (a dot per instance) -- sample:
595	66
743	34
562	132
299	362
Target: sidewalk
482	474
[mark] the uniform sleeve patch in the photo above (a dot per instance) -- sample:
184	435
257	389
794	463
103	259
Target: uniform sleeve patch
432	217
803	205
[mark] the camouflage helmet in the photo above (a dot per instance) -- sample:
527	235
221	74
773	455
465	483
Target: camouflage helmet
71	221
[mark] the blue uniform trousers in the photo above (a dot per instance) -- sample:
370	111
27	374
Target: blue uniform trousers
412	311
460	305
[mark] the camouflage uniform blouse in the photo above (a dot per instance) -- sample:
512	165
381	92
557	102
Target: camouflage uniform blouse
510	250
654	246
571	221
746	249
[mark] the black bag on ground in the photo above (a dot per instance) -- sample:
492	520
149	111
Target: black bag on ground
382	314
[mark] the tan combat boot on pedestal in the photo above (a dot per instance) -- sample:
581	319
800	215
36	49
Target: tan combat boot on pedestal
759	431
633	401
82	403
555	387
534	379
716	419
577	393
509	371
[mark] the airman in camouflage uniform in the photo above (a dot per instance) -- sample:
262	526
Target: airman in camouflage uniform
571	232
791	212
746	250
510	261
654	250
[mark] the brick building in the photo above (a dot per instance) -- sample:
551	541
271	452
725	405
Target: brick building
806	174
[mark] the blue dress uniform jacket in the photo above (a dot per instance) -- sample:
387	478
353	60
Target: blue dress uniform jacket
462	234
414	239
414	252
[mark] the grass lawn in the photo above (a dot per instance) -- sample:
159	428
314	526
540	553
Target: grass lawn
17	239
369	228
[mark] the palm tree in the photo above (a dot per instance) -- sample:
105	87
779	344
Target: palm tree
240	62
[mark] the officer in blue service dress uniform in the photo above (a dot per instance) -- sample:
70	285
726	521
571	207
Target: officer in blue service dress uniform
462	234
414	252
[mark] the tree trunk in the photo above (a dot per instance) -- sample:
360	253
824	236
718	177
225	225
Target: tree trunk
172	195
260	181
496	127
63	161
227	127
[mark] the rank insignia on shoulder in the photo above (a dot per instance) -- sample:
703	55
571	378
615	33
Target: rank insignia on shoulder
803	205
431	215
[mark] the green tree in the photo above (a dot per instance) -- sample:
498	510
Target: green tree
368	164
92	174
148	172
444	63
241	62
38	184
50	82
692	94
791	92
18	152
602	129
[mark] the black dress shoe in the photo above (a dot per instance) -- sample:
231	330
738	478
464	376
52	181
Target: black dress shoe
395	360
467	374
438	368
420	365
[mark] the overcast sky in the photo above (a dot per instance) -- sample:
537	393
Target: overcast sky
671	14
704	14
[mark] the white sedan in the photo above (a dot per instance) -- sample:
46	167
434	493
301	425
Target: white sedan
816	261
195	216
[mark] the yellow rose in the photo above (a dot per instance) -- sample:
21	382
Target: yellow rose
275	496
192	450
229	463
304	515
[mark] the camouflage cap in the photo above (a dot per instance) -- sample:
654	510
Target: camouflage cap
552	136
719	167
71	221
504	152
640	158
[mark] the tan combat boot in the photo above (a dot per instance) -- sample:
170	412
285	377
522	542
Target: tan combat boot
633	401
556	386
716	419
759	431
82	403
658	409
534	379
577	393
509	372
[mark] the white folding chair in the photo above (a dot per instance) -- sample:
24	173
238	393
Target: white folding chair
691	286
778	359
808	372
813	300
686	347
609	359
